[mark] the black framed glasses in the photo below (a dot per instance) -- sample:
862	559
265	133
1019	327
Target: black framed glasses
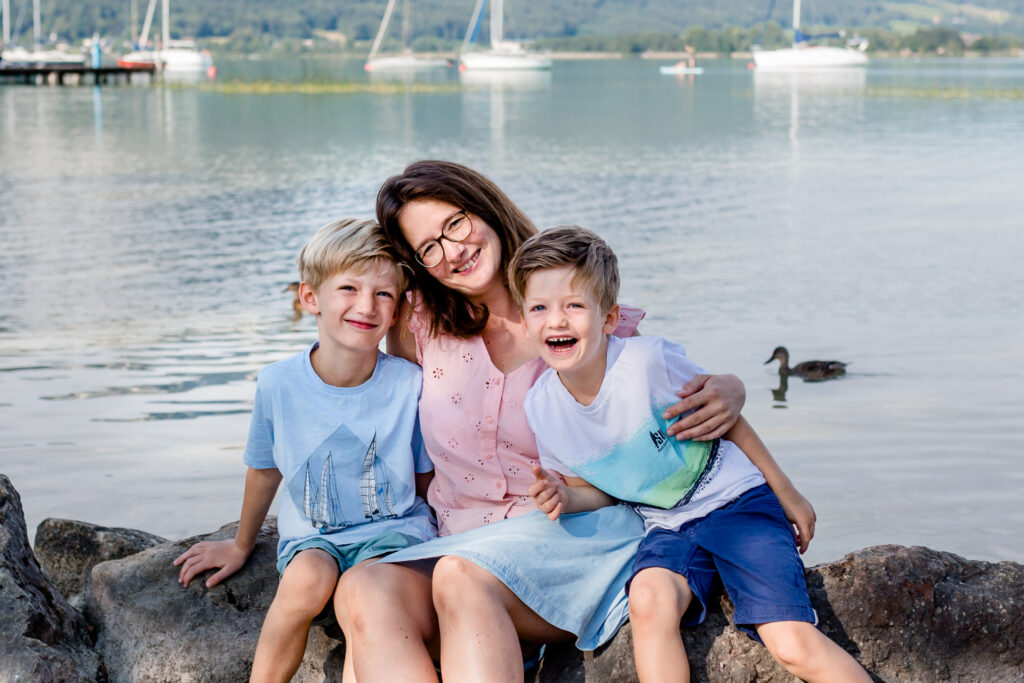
458	228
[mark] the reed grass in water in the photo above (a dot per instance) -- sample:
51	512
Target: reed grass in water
324	88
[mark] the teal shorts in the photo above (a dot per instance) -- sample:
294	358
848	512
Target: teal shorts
348	556
352	554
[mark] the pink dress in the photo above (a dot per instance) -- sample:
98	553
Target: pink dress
474	426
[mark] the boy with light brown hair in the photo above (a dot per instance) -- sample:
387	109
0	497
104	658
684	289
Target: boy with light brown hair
710	515
338	425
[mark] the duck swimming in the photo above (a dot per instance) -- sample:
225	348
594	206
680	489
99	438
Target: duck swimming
293	287
810	370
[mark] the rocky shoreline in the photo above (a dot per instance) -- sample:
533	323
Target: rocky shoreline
93	603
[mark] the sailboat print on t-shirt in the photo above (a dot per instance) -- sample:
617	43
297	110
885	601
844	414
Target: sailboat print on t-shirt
343	482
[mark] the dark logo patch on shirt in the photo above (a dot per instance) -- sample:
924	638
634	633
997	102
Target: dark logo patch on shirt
659	438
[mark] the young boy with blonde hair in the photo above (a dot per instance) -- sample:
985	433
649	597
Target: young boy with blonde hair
709	514
338	425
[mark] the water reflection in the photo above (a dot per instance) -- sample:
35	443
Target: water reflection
779	394
775	92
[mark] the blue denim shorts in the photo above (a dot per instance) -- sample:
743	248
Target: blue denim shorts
746	545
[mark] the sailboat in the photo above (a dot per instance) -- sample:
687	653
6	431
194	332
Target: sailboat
181	56
35	56
804	55
405	61
503	54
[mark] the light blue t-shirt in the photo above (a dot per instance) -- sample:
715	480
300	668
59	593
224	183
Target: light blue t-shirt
346	454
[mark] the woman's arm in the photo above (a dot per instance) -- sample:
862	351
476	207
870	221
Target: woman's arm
798	509
716	401
400	340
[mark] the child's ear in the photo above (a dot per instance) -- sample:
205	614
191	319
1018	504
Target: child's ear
611	320
307	297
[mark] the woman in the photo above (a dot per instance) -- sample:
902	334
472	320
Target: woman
474	596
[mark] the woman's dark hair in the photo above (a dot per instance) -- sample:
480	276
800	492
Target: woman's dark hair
451	313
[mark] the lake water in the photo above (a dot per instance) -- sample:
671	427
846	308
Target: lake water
872	216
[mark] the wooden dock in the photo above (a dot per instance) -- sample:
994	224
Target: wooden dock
70	74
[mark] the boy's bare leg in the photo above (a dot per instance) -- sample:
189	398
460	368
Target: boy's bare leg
306	586
389	622
809	654
658	599
481	623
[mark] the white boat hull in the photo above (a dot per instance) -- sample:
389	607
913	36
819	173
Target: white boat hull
19	55
185	59
504	61
683	70
405	63
808	57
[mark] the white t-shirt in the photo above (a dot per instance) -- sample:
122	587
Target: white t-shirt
619	444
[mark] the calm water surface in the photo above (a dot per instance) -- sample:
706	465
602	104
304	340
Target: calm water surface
148	235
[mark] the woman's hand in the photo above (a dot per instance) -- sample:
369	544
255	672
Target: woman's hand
225	555
716	401
801	515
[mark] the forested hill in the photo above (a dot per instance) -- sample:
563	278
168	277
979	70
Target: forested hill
446	19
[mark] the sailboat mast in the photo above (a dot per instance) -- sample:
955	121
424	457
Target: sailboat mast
381	30
796	20
472	25
7	22
35	24
146	24
405	26
133	19
497	19
165	23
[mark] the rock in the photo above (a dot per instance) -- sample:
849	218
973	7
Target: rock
42	638
906	614
150	628
67	550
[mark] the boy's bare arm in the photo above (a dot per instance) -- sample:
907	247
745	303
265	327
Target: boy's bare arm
230	554
553	497
423	480
798	509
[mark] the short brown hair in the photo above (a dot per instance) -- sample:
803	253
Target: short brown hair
346	244
450	312
595	265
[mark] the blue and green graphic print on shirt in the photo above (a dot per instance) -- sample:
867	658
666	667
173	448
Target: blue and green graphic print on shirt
651	467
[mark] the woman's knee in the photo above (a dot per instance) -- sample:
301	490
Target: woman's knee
456	578
658	595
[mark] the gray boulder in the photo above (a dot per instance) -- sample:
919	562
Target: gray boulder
150	628
42	638
67	550
907	614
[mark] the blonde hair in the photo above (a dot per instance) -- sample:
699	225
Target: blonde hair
347	244
596	268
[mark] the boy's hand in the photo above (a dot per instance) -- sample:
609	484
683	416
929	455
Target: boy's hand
801	515
547	492
225	555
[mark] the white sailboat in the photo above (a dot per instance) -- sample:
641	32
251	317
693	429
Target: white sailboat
36	56
804	55
503	55
175	56
406	60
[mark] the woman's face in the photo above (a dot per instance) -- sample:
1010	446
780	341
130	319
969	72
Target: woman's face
472	266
